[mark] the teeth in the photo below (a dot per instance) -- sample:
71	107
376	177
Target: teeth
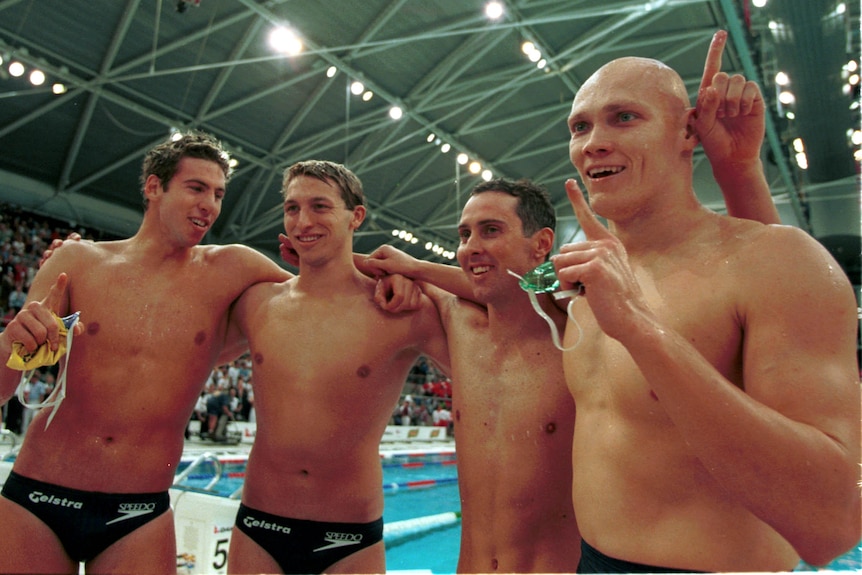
605	171
481	269
201	223
307	238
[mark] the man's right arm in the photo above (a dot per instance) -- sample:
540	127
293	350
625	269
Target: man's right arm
35	323
389	260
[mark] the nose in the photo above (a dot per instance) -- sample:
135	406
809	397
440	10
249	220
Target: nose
597	141
208	203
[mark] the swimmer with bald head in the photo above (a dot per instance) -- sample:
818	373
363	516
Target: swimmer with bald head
718	421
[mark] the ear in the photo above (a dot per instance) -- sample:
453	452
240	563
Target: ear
690	129
543	243
358	217
152	187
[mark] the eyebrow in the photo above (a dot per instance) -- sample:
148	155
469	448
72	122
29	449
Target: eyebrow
202	183
483	223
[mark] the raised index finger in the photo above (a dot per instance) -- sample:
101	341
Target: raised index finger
712	66
57	294
592	227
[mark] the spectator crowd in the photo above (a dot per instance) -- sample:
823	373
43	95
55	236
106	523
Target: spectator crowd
24	237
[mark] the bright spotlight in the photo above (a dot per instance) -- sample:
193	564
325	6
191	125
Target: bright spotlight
475	167
494	10
58	88
395	113
463	158
487	175
37	77
16	69
445	148
357	88
786	97
367	95
285	41
782	79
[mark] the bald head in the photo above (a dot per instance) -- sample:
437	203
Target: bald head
641	74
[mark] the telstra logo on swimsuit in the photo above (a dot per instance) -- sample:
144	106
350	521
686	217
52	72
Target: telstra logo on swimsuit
252	522
39	497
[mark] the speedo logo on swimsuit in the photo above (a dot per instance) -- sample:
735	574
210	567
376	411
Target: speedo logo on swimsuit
336	539
252	522
132	510
39	497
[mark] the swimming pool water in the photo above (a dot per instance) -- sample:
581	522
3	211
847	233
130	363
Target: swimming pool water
413	487
419	487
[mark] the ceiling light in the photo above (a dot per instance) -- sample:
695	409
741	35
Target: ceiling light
528	47
463	158
856	138
802	161
283	40
852	66
428	245
445	148
759	3
786	97
475	167
16	69
782	79
37	77
798	145
487	175
58	88
494	10
367	95
357	88
430	138
394	232
853	79
395	113
331	71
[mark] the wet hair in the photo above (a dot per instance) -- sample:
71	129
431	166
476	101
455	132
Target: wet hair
162	160
534	204
329	172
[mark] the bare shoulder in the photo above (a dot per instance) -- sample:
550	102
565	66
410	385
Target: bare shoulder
247	264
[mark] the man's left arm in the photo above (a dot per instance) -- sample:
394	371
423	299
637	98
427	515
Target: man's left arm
787	445
729	120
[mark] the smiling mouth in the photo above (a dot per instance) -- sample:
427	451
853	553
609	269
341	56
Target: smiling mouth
599	173
308	238
479	270
199	223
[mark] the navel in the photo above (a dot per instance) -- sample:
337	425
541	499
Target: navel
200	338
494	564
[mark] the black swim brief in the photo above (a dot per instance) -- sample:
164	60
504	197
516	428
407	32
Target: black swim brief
303	546
86	522
594	561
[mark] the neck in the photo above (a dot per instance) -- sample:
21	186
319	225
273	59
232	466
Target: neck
334	275
514	315
661	227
